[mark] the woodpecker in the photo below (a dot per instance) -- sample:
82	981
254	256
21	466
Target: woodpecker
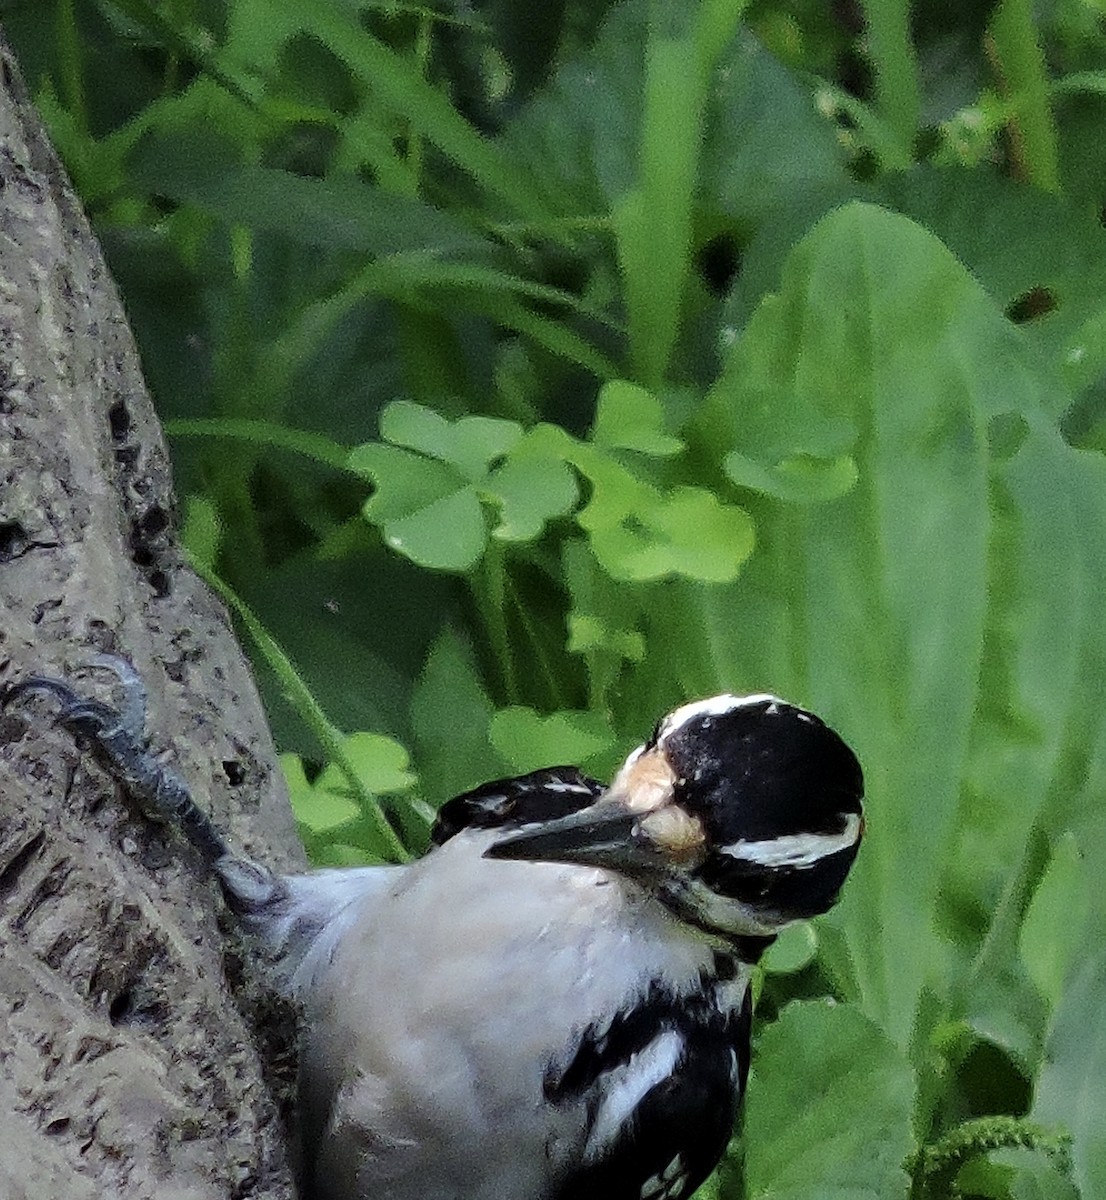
554	1003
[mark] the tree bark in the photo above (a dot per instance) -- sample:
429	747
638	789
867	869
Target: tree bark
127	1068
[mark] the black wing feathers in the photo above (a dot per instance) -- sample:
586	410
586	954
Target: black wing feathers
511	803
680	1127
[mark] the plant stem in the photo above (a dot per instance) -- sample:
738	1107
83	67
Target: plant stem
1020	64
898	94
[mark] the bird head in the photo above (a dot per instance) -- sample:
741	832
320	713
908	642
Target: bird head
740	813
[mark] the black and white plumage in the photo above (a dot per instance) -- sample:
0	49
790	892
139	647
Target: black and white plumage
553	1003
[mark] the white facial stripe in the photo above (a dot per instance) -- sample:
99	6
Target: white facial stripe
714	706
797	849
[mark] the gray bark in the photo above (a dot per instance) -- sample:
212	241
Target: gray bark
127	1068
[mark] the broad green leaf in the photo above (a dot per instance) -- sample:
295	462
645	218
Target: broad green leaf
794	949
448	534
527	740
405	483
828	1112
318	809
878	330
321	810
380	764
1003	1006
763	140
1038	764
1024	246
588	633
766	145
429	503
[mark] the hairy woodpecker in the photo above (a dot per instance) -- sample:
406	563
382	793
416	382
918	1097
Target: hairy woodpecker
553	1004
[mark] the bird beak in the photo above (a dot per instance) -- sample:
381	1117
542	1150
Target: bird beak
604	835
635	828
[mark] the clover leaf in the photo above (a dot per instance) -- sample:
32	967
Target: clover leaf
437	477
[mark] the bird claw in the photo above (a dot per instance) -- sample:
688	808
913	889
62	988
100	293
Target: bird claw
119	739
81	715
119	733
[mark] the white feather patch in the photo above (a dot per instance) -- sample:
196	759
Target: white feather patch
797	849
714	706
626	1087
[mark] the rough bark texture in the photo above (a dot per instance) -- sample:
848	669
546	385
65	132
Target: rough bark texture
126	1067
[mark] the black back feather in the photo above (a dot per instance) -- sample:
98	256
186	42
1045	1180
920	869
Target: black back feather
522	800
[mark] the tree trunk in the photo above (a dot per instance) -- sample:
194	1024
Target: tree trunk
126	1066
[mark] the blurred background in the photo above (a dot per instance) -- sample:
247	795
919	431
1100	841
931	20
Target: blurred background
531	369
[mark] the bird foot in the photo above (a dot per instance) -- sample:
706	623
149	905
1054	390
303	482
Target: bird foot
118	738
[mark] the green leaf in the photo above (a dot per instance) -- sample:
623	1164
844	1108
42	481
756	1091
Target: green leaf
321	810
451	712
1069	1091
766	144
629	417
531	490
426	508
429	503
380	762
334	213
1022	243
829	1109
470	443
263	433
639	533
882	346
998	1156
794	949
258	31
588	633
447	534
529	741
1016	1174
800	479
1053	927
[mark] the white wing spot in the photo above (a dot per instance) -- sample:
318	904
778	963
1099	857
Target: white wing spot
629	1085
674	1170
667	1184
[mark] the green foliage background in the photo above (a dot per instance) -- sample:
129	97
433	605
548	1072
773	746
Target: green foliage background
531	369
